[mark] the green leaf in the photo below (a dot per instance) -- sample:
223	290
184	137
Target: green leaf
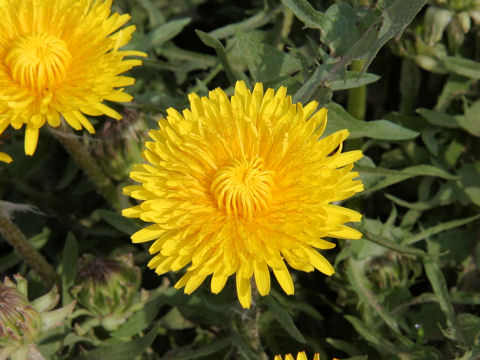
376	178
462	66
213	42
439	285
200	351
470	327
352	80
471	121
144	317
125	225
162	34
308	15
339	118
266	62
439	228
69	267
284	319
127	350
373	337
439	118
359	283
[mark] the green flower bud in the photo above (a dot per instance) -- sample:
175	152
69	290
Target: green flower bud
24	322
121	144
109	289
20	323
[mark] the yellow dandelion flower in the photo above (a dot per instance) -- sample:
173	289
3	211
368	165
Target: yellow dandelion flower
241	186
61	57
300	356
5	158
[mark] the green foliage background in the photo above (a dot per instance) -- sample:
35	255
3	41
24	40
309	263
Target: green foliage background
408	290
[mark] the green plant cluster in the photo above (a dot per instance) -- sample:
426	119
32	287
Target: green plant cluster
401	75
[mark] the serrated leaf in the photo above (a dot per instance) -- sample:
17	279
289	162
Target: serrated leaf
353	79
69	267
126	350
339	118
266	62
162	33
284	319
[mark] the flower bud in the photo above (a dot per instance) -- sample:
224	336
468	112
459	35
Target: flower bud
109	289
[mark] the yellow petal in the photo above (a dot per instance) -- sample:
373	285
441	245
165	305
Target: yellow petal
31	139
244	291
319	262
285	280
262	277
147	234
5	158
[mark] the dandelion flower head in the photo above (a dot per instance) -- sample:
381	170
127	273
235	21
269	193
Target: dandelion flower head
300	356
61	58
243	185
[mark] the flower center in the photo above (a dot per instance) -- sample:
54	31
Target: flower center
243	188
38	61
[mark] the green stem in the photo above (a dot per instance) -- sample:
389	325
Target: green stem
248	325
357	97
25	249
89	165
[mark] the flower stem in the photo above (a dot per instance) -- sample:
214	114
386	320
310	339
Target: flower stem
357	97
248	325
25	249
89	165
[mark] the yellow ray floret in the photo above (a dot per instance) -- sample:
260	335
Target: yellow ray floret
300	356
5	158
61	58
243	186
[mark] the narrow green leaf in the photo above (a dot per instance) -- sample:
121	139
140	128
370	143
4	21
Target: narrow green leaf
439	228
376	178
439	285
409	250
352	80
200	351
359	282
127	226
462	66
439	118
373	337
69	267
284	319
251	23
339	118
127	350
162	34
213	42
